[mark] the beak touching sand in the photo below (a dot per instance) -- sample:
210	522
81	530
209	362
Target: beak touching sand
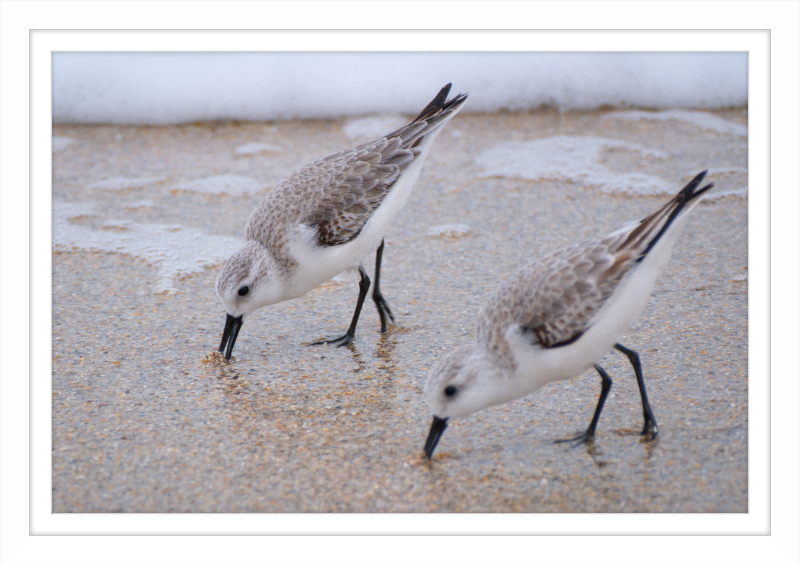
229	334
437	429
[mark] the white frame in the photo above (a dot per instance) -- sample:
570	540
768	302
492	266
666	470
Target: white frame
767	533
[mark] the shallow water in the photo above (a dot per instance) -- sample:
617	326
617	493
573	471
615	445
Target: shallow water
142	223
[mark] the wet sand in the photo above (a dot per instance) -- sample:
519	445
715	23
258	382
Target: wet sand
142	424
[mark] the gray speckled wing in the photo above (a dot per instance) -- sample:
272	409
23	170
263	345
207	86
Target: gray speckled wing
338	194
359	181
556	298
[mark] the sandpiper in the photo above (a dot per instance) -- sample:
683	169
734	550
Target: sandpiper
559	316
327	217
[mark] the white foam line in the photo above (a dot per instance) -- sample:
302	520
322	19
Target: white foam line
702	120
449	231
739	192
572	159
60	143
233	185
256	148
124	183
176	251
723	177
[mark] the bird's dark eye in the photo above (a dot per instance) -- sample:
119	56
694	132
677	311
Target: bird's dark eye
450	390
244	290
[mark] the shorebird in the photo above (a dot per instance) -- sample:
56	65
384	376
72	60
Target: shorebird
557	317
327	217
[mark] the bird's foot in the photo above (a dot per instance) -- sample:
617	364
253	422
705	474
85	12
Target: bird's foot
650	431
384	312
585	438
339	341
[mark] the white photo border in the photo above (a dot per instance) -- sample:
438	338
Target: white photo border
767	30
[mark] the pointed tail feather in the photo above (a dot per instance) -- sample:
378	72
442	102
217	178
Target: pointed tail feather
440	104
437	113
435	105
655	225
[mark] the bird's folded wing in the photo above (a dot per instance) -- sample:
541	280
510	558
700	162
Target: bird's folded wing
337	195
356	183
568	289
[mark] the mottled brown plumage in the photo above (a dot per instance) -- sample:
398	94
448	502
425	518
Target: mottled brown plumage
337	195
556	298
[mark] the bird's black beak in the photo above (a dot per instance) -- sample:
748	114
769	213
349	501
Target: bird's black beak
437	429
232	327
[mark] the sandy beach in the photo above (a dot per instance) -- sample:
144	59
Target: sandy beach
143	422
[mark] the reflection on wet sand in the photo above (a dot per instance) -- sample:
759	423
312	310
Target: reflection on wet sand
140	424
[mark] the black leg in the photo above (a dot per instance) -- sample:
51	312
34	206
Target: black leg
383	309
363	287
588	435
650	426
